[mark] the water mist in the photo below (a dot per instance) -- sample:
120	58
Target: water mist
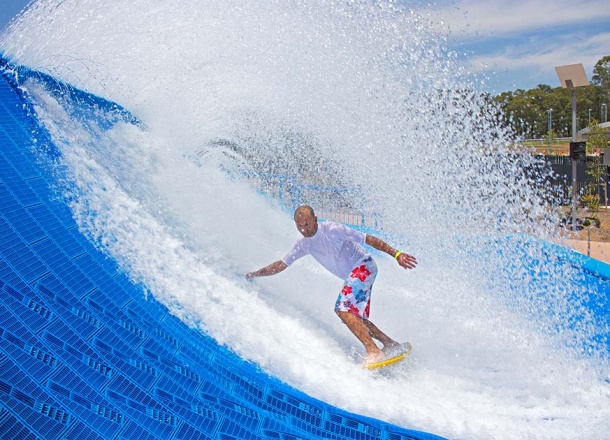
359	94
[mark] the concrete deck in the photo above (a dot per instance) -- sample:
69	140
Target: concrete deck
598	250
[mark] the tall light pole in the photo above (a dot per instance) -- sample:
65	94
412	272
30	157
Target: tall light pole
589	123
605	107
570	77
550	128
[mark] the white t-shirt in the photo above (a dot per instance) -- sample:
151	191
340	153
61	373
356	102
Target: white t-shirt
334	246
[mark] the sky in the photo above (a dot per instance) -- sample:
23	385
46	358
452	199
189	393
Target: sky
518	44
514	44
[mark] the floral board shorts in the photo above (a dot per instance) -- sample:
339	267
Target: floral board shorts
355	297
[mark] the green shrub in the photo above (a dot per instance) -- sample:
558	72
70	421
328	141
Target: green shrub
591	202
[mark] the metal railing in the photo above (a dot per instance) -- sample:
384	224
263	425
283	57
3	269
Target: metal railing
343	205
589	237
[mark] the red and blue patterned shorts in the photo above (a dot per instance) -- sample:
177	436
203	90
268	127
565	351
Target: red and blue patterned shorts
355	297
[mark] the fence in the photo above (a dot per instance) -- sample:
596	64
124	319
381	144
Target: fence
561	183
348	206
331	203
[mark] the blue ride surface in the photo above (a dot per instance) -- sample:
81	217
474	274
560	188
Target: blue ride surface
83	353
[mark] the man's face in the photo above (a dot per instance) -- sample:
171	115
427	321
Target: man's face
307	224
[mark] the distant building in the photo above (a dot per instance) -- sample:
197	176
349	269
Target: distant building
582	134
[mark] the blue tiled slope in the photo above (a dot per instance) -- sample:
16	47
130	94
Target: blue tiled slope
84	356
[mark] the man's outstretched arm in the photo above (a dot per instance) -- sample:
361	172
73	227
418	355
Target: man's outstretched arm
272	269
405	260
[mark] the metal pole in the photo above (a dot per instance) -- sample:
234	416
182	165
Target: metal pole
551	120
574	162
548	130
550	127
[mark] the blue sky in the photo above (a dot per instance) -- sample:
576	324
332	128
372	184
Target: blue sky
516	44
519	43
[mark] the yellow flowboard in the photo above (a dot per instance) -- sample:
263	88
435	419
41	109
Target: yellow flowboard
397	354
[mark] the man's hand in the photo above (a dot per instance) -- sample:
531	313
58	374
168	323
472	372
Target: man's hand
407	261
250	275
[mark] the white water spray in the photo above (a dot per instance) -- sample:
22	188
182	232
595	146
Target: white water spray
357	94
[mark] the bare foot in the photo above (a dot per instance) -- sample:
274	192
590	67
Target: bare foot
372	358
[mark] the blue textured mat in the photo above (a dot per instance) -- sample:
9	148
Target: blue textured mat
79	356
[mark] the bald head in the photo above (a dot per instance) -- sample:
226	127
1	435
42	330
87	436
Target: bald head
306	221
304	210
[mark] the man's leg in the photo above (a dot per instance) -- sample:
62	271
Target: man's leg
353	304
379	335
360	330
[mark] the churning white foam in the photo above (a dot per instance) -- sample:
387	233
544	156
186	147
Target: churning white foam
358	94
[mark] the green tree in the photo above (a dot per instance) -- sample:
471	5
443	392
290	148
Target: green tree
559	100
589	98
601	75
597	140
526	111
549	139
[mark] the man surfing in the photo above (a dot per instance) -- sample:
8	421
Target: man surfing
339	249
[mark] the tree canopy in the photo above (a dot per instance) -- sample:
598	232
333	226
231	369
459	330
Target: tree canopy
601	75
528	111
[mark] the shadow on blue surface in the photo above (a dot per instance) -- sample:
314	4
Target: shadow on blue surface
84	355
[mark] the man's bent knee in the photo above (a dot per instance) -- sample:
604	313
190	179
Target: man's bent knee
348	316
